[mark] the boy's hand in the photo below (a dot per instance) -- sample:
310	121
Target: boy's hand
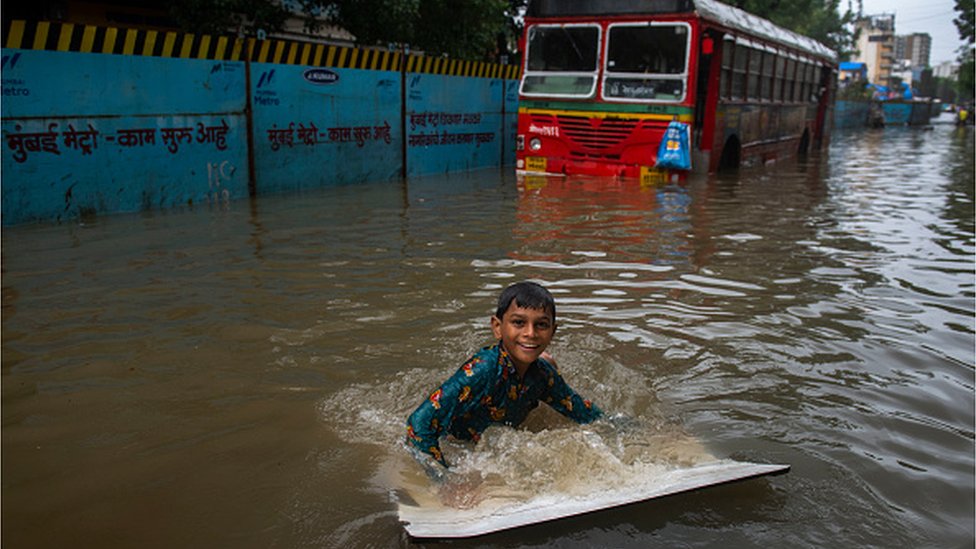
434	470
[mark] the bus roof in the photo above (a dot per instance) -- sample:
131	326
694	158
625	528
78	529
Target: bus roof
737	19
710	10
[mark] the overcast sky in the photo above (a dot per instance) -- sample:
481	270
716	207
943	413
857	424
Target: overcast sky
930	16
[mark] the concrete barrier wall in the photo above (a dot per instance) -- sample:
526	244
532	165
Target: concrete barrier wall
851	114
85	136
897	114
448	128
923	112
98	120
855	114
321	126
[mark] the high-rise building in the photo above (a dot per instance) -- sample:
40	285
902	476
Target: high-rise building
916	48
946	69
876	47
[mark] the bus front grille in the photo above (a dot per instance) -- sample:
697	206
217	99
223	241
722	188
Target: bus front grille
596	133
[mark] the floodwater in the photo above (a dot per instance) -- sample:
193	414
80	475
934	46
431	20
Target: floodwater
239	376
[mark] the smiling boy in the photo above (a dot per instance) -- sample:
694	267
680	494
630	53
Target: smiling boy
502	383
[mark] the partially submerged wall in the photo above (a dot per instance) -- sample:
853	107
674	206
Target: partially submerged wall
858	114
851	114
100	120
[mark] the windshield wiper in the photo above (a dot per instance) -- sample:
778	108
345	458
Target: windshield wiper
572	41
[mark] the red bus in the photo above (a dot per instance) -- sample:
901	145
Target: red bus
602	79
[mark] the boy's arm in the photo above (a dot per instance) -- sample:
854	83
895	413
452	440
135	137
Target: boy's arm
562	398
425	427
430	420
435	470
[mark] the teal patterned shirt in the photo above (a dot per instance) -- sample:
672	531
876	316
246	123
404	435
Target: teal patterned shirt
486	391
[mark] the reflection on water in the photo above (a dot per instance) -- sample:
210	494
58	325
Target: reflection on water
240	376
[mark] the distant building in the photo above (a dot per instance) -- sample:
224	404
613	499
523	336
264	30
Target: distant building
916	48
946	69
903	72
294	27
876	47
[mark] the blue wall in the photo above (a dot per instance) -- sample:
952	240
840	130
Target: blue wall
851	114
449	127
309	134
897	113
84	135
136	120
855	114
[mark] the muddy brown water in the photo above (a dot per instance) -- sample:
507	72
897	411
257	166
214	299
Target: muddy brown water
239	376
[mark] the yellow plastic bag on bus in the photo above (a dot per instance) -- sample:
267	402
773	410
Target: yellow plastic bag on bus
674	153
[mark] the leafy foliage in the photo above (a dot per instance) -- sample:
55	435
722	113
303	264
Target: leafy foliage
855	91
967	61
965	21
477	28
473	29
219	16
819	19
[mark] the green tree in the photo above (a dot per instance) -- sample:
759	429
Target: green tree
967	61
821	20
246	17
967	75
965	21
945	89
473	29
467	30
470	29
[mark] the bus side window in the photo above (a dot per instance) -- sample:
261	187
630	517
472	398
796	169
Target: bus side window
801	81
752	77
725	85
811	95
814	83
740	65
769	61
790	81
779	83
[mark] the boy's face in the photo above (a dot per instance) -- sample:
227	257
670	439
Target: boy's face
524	333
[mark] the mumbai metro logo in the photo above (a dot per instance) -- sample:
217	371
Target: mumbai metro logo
8	62
265	78
550	131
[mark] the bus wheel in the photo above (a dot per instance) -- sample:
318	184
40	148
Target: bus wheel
804	143
730	155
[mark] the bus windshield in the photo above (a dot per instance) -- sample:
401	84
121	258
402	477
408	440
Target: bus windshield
646	62
561	60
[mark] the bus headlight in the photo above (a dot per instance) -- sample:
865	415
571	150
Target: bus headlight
535	144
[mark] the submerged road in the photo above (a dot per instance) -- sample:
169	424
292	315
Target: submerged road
238	376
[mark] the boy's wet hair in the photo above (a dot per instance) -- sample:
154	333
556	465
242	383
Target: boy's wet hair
529	295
